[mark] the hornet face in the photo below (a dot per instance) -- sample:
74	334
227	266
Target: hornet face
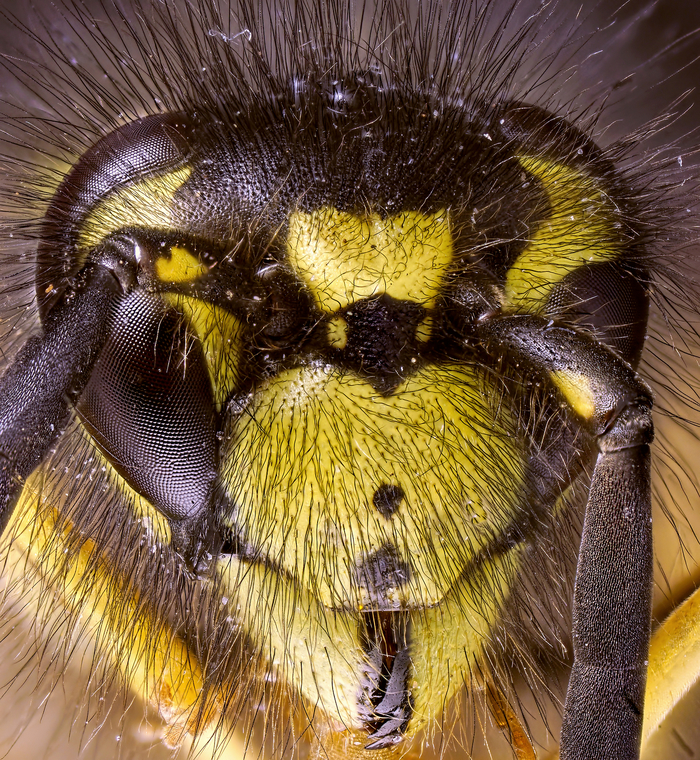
336	352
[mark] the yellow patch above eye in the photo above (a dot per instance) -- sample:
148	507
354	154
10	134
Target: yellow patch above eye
577	391
425	329
146	204
182	266
219	332
344	257
580	230
337	332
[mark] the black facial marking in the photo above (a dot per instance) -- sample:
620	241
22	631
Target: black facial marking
387	499
382	570
382	340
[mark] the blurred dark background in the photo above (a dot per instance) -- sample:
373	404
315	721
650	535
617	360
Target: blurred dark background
647	49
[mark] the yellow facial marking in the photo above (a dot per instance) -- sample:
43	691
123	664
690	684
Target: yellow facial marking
424	330
219	332
320	651
306	459
344	257
579	231
145	204
337	332
180	267
577	391
152	658
301	640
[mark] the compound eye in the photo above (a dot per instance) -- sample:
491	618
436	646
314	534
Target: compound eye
149	407
155	149
149	403
610	302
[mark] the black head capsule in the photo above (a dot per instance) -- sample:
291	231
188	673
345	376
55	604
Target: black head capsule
325	306
357	341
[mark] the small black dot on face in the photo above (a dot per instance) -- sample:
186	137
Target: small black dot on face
387	499
382	570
